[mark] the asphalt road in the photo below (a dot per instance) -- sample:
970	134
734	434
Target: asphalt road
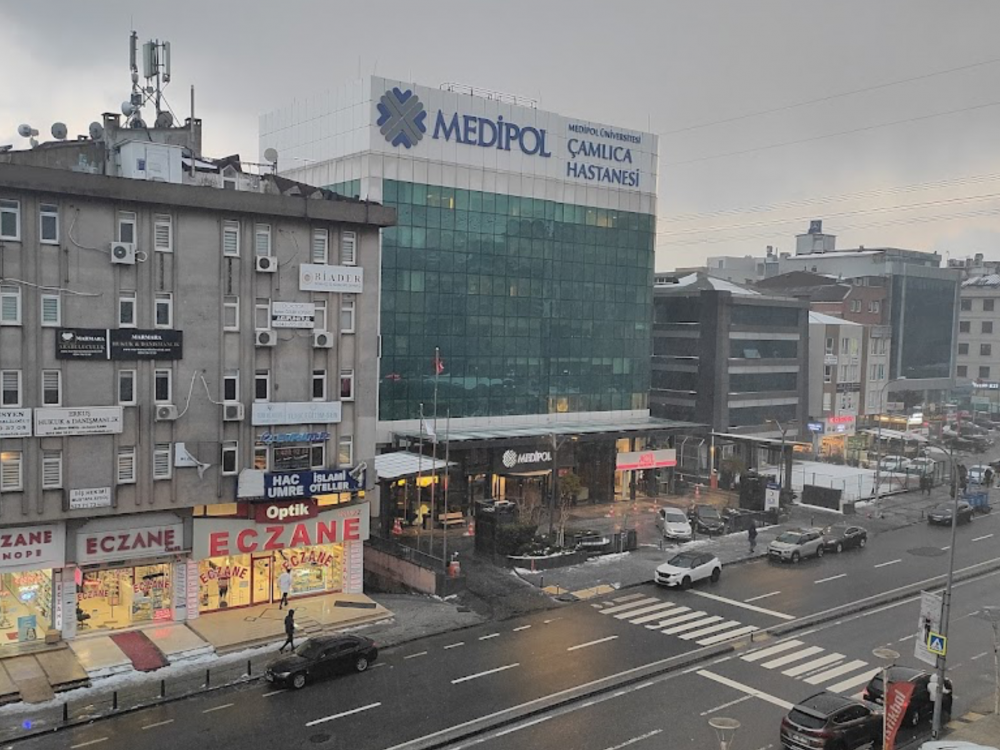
428	686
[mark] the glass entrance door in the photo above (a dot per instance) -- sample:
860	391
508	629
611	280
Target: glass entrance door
261	580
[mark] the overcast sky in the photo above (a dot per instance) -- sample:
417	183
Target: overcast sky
928	182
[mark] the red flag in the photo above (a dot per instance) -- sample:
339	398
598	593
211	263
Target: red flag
897	698
438	363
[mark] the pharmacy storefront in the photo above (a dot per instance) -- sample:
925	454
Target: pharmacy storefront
241	559
28	557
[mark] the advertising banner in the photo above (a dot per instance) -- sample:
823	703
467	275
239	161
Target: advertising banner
119	343
128	544
897	698
343	279
293	315
92	420
296	412
32	547
15	423
639	460
929	622
93	497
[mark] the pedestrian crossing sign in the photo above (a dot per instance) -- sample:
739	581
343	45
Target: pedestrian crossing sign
937	644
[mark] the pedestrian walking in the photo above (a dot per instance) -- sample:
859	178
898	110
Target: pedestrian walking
284	586
289	632
752	536
988	478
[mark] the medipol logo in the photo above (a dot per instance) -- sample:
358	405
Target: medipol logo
401	117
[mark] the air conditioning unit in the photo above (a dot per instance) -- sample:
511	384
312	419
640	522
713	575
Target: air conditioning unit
267	264
232	411
266	337
123	252
166	413
322	340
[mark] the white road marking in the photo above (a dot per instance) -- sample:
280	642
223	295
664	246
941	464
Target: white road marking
630	605
679	618
546	622
218	708
342	714
946	548
525	725
273	692
980	656
726	705
632	741
981	538
671	610
628	598
851	666
891	562
592	643
483	674
852	682
777	649
809	666
906	638
454	645
694	625
762	596
831	578
645	610
726	625
487	637
414	656
726	636
522	627
88	742
158	724
753	692
380	664
669	615
794	656
744	605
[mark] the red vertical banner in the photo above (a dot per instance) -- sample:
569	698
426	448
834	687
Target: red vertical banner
897	698
438	363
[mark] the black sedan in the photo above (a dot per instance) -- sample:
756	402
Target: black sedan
321	657
942	513
839	538
707	519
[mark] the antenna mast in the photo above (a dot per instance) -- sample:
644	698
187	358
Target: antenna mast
156	71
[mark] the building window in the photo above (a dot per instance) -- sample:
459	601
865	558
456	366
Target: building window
988	305
161	461
231	313
51	314
231	238
345	451
827	402
843	374
126	226
262	313
10	388
855	305
51	388
347	307
230	458
162	386
10	305
874	305
163	233
262	240
349	248
260	458
262	385
827	373
231	386
11	471
48	224
963	348
966	305
984	373
126	465
321	246
987	326
126	310
126	387
881	372
320	316
229	178
963	326
347	385
317	455
51	470
319	385
164	310
985	350
10	220
963	371
845	344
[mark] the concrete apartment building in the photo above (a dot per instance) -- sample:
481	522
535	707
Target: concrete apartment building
836	354
977	357
188	352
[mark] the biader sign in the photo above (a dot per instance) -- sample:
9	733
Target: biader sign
314	277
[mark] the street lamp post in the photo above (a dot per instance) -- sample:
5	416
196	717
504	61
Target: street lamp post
888	658
725	730
878	441
992	615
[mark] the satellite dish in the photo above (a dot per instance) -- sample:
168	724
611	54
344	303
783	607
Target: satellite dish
271	155
164	120
137	124
26	131
59	131
128	109
96	131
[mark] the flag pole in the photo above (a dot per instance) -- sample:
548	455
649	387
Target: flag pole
447	476
420	471
434	445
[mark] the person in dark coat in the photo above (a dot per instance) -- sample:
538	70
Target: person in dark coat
752	536
289	632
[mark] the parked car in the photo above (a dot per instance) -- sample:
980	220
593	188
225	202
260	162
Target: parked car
795	544
955	745
707	519
827	721
894	464
921	466
977	474
321	657
921	706
942	513
673	524
686	568
839	538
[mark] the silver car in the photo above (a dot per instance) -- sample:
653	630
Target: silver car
795	544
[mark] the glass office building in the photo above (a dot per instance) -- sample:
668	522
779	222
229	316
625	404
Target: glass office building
523	249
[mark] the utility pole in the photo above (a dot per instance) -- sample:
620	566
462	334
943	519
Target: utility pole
946	601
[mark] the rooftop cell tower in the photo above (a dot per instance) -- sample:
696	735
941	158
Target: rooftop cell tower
156	72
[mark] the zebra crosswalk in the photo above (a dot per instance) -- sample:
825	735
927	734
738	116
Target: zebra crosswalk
674	619
814	665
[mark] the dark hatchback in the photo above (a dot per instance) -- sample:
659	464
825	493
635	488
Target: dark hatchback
322	657
941	515
921	707
707	519
839	538
827	721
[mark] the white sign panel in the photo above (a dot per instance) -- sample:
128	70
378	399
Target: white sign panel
32	547
929	622
90	420
128	544
296	412
94	497
344	279
293	315
15	423
772	498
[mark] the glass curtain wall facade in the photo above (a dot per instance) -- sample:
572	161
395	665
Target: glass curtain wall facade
537	306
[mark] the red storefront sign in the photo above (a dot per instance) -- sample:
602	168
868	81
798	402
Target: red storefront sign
640	460
897	698
32	547
285	511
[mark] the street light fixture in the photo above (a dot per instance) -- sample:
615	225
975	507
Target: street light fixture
725	730
888	658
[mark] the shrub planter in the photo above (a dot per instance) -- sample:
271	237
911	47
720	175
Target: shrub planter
547	562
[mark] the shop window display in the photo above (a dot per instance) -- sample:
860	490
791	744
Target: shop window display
25	602
120	597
